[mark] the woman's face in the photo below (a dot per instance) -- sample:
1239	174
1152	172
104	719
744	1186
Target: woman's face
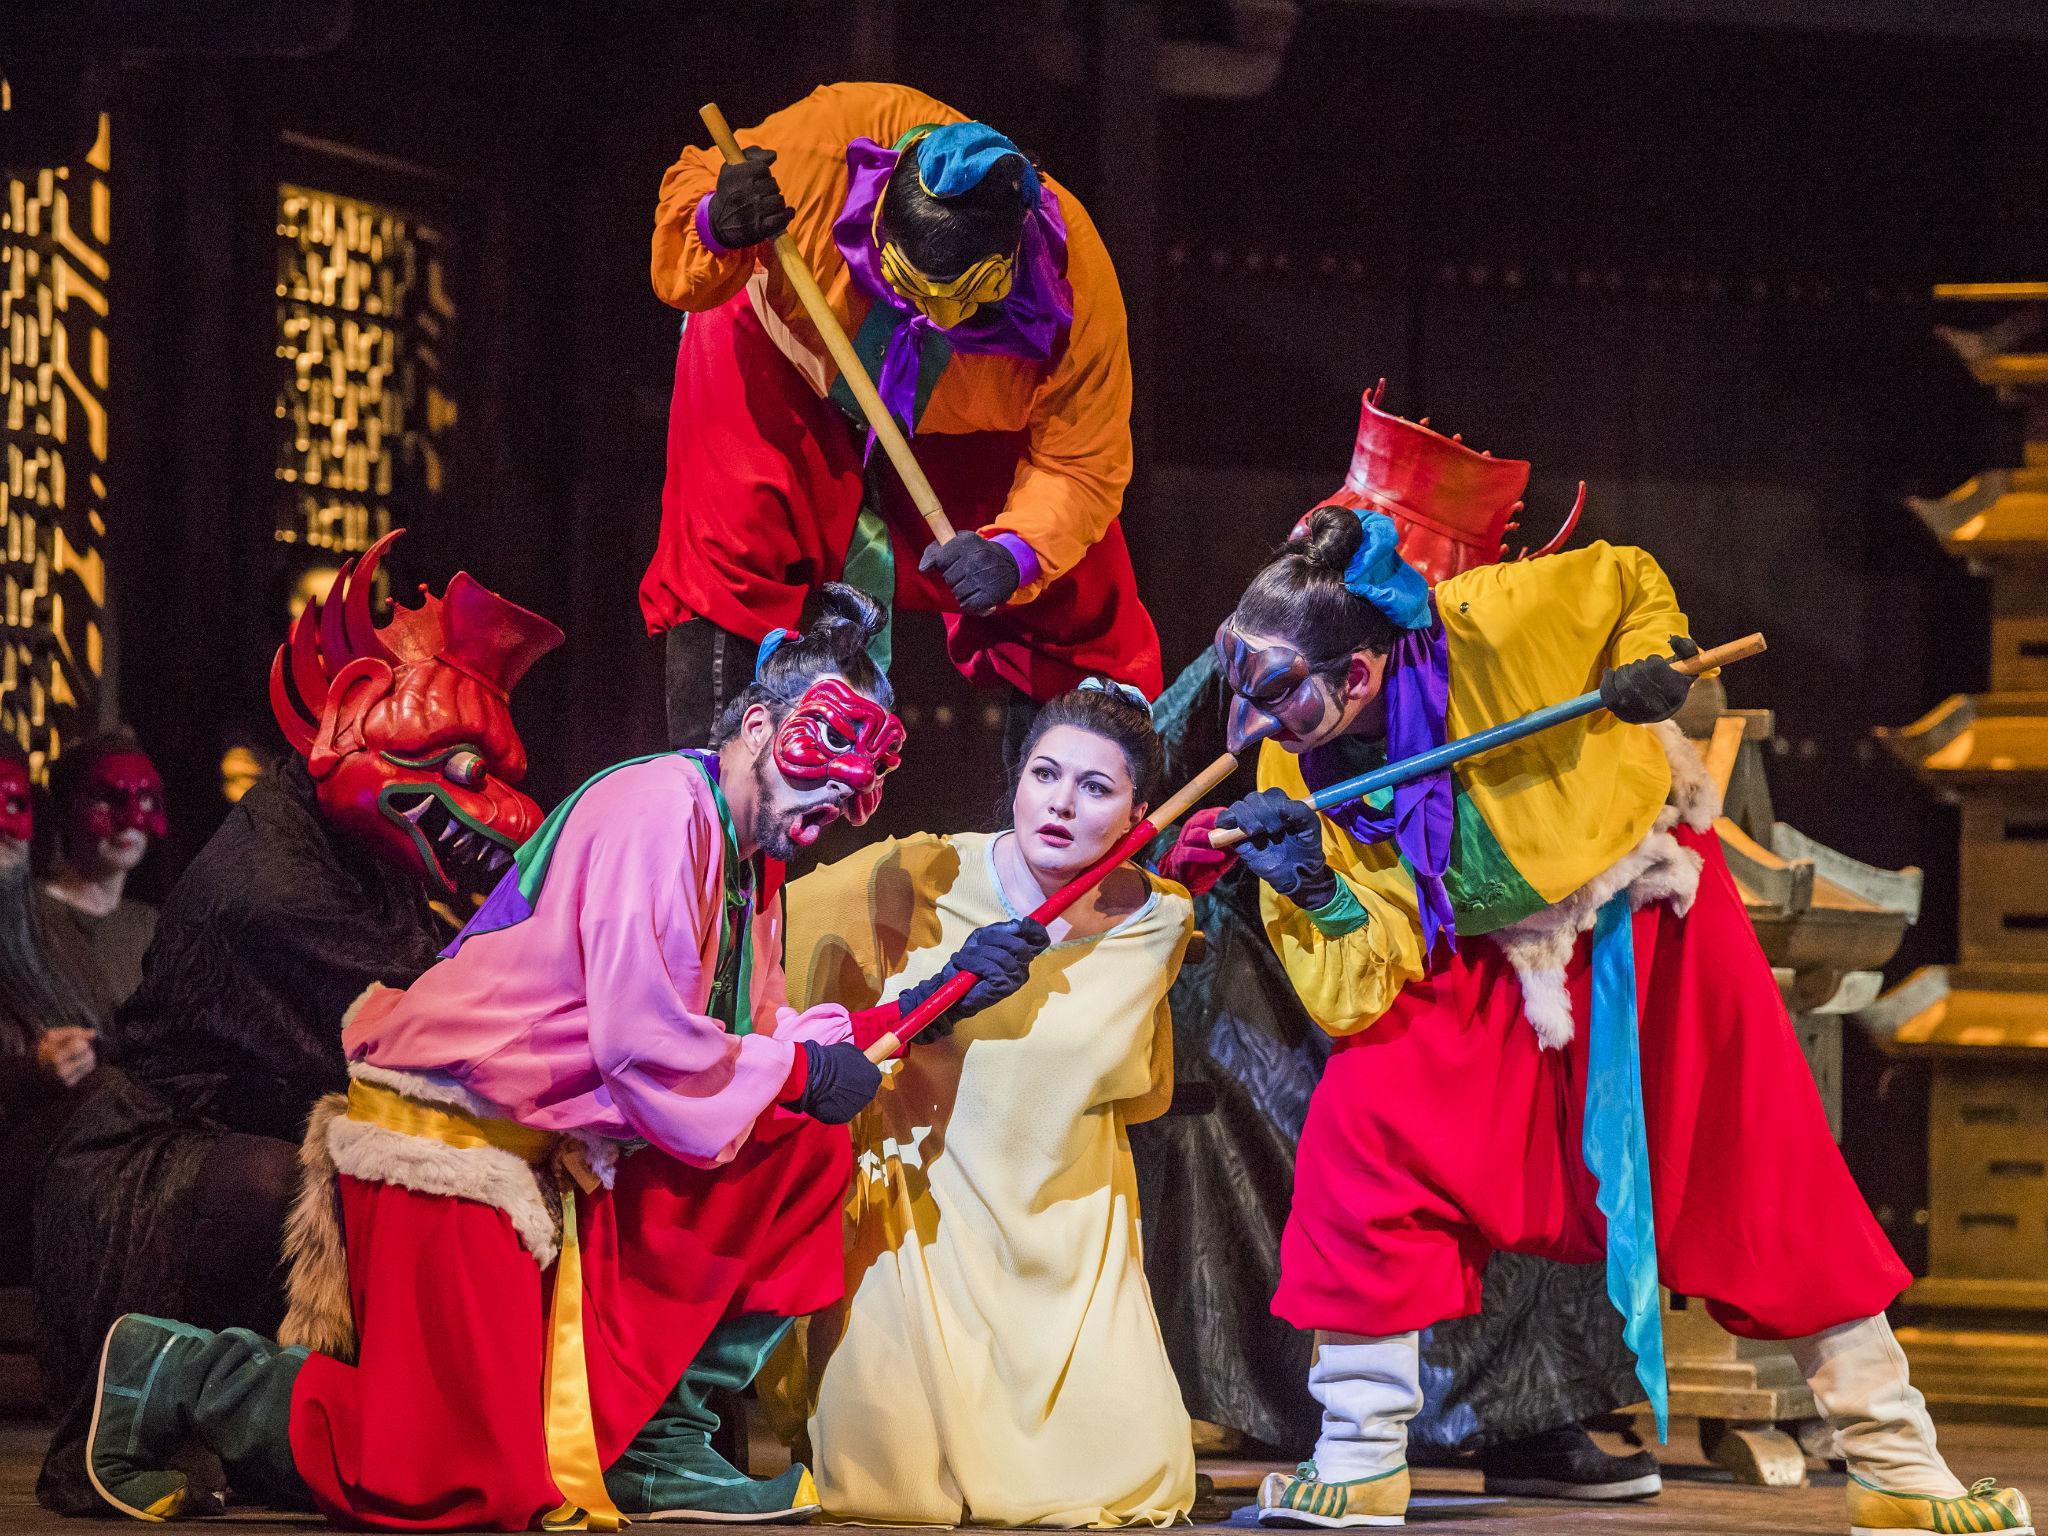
1074	799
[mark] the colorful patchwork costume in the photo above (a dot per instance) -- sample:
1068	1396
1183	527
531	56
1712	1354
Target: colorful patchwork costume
1488	945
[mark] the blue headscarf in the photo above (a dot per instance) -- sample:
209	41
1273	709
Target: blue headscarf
953	158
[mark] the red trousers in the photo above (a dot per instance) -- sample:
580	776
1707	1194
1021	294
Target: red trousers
763	490
1444	1132
439	1423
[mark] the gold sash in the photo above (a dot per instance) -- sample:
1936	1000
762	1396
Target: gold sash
571	1428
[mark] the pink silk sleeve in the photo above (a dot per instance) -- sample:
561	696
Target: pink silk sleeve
649	910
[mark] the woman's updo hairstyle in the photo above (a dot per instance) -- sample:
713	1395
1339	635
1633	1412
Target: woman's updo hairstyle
1300	596
834	644
1111	714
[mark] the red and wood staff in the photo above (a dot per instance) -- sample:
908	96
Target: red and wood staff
958	986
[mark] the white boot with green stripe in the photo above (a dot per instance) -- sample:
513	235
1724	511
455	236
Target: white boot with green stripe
1369	1390
1898	1483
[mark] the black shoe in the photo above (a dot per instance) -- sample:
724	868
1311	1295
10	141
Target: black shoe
1564	1463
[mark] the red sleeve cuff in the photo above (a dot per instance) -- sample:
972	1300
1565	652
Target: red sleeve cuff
870	1024
799	1078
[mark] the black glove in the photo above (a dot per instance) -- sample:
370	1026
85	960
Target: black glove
748	207
839	1082
1283	845
982	573
999	955
1648	690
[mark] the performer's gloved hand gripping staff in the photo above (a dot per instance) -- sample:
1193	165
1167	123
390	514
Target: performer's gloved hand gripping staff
1555	1030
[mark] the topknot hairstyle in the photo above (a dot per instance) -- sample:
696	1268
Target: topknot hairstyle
1300	595
1108	714
944	236
835	644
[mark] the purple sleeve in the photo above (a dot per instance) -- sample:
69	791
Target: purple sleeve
1021	552
711	241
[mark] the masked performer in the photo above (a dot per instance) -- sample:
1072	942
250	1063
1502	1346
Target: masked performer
998	1361
168	1191
110	809
1487	1093
983	302
1508	1386
623	984
49	1023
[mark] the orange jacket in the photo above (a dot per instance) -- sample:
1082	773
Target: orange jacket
1070	481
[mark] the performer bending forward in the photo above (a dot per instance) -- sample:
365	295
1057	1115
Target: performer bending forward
1000	1363
985	307
1466	1079
624	982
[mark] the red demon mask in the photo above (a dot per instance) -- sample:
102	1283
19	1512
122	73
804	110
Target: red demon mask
835	733
405	726
121	792
17	801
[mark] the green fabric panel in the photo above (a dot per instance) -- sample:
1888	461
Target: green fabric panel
871	566
1340	915
1487	892
870	342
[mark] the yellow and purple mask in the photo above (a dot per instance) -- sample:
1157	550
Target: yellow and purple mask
951	159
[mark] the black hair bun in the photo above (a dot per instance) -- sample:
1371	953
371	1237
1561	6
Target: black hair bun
847	620
1331	538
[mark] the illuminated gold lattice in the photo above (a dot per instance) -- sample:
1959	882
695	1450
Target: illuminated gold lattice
55	226
363	400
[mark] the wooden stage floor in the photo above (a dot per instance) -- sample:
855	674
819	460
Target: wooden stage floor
1697	1499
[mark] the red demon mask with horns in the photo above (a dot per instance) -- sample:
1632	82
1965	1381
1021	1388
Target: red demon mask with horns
404	725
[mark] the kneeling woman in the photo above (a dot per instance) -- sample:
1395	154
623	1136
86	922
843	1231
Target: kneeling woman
998	1360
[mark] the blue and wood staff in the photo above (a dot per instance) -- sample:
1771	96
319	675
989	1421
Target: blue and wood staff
1347	790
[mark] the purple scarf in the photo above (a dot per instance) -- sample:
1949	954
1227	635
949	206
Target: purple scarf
1424	811
1026	325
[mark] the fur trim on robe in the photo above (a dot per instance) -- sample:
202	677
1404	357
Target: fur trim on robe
1659	868
319	1313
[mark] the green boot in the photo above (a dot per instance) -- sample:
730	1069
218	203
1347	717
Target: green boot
161	1382
670	1472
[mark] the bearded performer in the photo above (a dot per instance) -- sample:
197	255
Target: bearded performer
983	303
622	985
169	1189
1508	1386
1502	1078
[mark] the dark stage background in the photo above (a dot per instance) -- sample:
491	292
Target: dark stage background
1686	260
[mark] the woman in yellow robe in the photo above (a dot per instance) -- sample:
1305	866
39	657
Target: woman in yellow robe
998	1360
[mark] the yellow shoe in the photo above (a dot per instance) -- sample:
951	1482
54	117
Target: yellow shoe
1874	1511
1305	1499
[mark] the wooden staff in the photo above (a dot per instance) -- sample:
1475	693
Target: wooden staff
958	986
850	366
1347	790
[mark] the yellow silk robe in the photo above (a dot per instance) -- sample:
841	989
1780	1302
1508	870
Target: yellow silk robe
998	1361
1076	408
1561	806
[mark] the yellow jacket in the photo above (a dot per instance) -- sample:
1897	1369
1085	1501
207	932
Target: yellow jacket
1077	409
1536	819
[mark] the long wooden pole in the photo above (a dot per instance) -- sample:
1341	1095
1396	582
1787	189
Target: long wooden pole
958	986
812	297
1348	790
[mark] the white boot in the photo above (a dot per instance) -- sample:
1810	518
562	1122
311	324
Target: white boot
1369	1389
1858	1375
1898	1483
